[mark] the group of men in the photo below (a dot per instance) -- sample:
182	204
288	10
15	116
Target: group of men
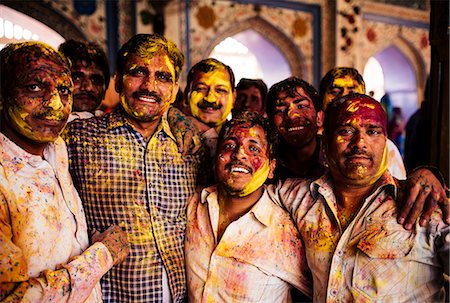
135	170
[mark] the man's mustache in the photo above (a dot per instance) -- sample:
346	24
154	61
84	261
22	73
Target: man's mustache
87	94
205	105
357	152
50	115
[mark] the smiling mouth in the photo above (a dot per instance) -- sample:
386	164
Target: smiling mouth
239	169
147	99
294	129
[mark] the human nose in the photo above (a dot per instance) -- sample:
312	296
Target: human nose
54	101
293	111
239	153
149	83
211	96
359	140
86	84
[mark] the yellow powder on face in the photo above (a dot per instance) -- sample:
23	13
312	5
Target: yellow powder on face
257	180
343	82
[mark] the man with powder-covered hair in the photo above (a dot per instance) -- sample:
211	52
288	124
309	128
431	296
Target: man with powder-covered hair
130	170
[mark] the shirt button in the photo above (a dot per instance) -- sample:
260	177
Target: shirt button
339	253
333	292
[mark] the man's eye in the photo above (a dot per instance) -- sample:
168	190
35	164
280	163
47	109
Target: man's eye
229	146
136	72
63	90
345	132
373	132
34	88
280	110
98	80
76	77
221	91
254	149
164	77
201	89
335	91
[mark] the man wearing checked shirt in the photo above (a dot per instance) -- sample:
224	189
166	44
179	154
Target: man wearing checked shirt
128	170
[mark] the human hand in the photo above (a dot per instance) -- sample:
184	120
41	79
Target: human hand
185	131
115	239
424	192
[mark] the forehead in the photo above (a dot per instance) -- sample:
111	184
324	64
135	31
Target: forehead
359	111
158	61
344	81
250	90
298	92
86	65
218	75
41	67
245	131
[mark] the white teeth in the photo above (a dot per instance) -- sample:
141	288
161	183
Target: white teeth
147	99
239	170
296	128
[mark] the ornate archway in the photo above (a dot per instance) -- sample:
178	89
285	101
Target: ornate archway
277	38
48	16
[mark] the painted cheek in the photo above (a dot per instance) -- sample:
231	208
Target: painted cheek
228	108
56	103
258	179
194	99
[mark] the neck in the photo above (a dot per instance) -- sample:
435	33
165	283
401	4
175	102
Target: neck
299	158
32	147
145	128
235	206
351	195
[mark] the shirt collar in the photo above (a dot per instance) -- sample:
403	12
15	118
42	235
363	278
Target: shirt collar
324	185
262	210
118	119
15	158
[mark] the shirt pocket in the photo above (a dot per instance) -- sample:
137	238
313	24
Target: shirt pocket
383	264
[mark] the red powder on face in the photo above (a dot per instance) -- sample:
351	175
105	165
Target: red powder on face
362	108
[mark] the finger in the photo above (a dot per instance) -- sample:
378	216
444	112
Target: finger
414	213
444	204
430	206
411	196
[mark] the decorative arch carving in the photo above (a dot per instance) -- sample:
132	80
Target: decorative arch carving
48	16
290	51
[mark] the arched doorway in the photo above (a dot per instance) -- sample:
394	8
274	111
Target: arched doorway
398	77
252	56
16	27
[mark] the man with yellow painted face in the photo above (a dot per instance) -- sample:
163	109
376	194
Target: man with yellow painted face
45	254
240	246
348	218
341	81
129	170
210	92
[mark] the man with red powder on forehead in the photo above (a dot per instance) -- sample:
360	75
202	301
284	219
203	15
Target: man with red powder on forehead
240	246
355	248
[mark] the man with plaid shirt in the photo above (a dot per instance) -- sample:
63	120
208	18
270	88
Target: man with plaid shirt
128	170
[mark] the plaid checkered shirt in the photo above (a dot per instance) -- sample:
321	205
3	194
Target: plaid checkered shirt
142	187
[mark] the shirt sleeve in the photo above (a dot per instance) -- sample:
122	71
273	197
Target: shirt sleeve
291	194
395	161
72	282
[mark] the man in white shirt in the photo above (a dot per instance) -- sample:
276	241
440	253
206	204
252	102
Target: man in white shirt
240	246
45	254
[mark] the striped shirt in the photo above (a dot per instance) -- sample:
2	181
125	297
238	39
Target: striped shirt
142	187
